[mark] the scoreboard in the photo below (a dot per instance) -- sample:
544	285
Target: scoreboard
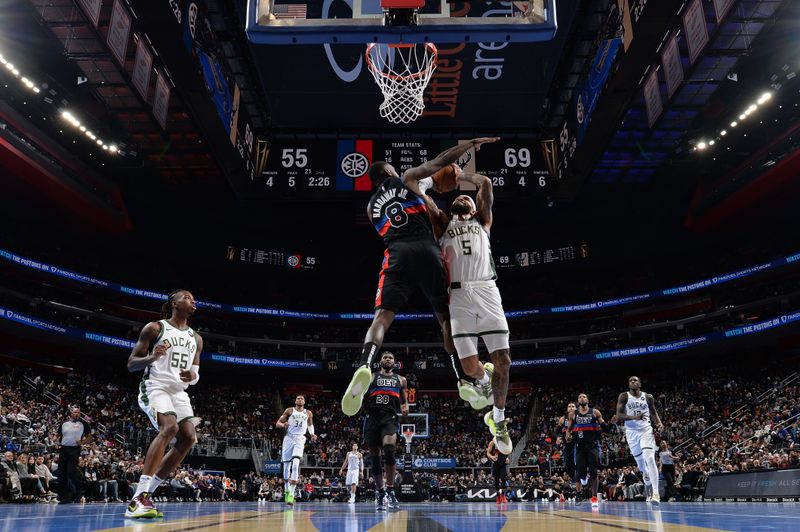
339	167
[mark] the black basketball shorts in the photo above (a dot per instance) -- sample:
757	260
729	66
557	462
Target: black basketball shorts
409	264
377	424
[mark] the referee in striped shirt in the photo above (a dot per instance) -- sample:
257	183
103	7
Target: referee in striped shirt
72	433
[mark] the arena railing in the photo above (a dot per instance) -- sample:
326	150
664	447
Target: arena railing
738	413
65	273
56	399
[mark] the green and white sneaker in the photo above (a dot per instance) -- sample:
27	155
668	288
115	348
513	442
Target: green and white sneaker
353	396
502	439
486	390
471	394
289	498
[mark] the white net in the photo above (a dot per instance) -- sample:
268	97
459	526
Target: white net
402	71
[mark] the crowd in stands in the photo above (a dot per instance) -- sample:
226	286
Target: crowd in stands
722	420
754	414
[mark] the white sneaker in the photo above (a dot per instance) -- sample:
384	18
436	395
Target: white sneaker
655	500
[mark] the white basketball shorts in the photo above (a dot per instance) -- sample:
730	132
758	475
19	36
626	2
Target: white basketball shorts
640	440
352	477
293	445
476	311
156	399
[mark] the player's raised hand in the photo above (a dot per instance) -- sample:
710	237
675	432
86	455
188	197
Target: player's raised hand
404	409
484	140
313	437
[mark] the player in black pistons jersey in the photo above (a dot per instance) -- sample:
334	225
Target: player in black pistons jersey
569	446
386	397
585	424
412	258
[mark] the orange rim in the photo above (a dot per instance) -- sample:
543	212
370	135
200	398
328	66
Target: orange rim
428	45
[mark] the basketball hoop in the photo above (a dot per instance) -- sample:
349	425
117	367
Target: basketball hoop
402	71
408	431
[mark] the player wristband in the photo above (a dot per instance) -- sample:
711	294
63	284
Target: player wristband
196	370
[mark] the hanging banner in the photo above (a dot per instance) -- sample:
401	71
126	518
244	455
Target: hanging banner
161	100
119	31
671	62
142	68
721	8
695	30
652	98
92	10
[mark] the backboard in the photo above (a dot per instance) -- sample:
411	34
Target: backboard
363	21
418	421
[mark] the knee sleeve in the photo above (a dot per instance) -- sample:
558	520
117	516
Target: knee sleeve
388	455
295	468
377	470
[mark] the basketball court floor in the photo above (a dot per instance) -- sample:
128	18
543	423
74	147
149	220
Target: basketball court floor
435	517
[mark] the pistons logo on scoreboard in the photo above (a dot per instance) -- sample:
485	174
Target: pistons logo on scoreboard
294	261
354	158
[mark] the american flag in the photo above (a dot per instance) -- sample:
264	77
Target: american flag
289	10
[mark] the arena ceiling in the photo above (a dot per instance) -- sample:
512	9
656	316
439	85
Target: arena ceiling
622	164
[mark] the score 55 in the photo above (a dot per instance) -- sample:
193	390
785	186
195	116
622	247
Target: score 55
294	157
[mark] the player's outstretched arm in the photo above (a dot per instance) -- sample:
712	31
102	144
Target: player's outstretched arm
653	414
448	156
484	199
139	357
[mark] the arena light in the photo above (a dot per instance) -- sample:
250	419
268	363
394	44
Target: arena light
69	117
752	108
734	123
723	133
742	116
764	98
701	145
712	142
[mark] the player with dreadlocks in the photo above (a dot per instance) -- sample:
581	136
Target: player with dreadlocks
169	353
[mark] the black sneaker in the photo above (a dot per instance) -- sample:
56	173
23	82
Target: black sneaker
380	502
392	502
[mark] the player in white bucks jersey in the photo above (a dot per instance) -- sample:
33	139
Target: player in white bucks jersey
638	410
297	420
169	353
476	309
354	463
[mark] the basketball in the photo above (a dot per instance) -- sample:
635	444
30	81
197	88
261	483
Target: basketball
446	179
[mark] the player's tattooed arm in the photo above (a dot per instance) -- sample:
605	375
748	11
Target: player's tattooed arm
283	420
403	396
449	156
651	403
139	357
484	199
